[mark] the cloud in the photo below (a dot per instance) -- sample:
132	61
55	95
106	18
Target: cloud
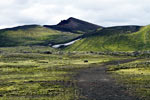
102	12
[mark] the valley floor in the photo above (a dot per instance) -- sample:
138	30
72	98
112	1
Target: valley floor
42	73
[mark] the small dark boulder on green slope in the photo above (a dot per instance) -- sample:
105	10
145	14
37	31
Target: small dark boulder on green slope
86	61
48	52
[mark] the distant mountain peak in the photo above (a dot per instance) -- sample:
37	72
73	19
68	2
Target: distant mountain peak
67	21
75	25
71	18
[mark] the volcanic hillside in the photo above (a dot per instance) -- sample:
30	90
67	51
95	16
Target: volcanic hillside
74	25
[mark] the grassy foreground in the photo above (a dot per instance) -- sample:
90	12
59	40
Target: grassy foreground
43	73
135	76
34	75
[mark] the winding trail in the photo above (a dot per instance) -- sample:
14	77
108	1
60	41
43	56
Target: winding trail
96	84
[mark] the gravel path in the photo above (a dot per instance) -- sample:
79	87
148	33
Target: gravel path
96	84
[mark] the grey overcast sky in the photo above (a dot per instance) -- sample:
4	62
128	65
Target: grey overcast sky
101	12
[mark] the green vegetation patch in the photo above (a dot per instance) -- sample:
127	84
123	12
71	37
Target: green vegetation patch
114	41
135	75
36	35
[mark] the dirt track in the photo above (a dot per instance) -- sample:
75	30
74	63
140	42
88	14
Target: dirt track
96	84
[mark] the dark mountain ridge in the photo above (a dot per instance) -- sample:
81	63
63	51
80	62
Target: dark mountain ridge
23	27
74	25
114	30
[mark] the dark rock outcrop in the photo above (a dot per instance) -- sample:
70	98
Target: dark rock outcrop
74	25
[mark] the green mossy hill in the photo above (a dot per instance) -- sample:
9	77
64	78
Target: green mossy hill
33	35
135	41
